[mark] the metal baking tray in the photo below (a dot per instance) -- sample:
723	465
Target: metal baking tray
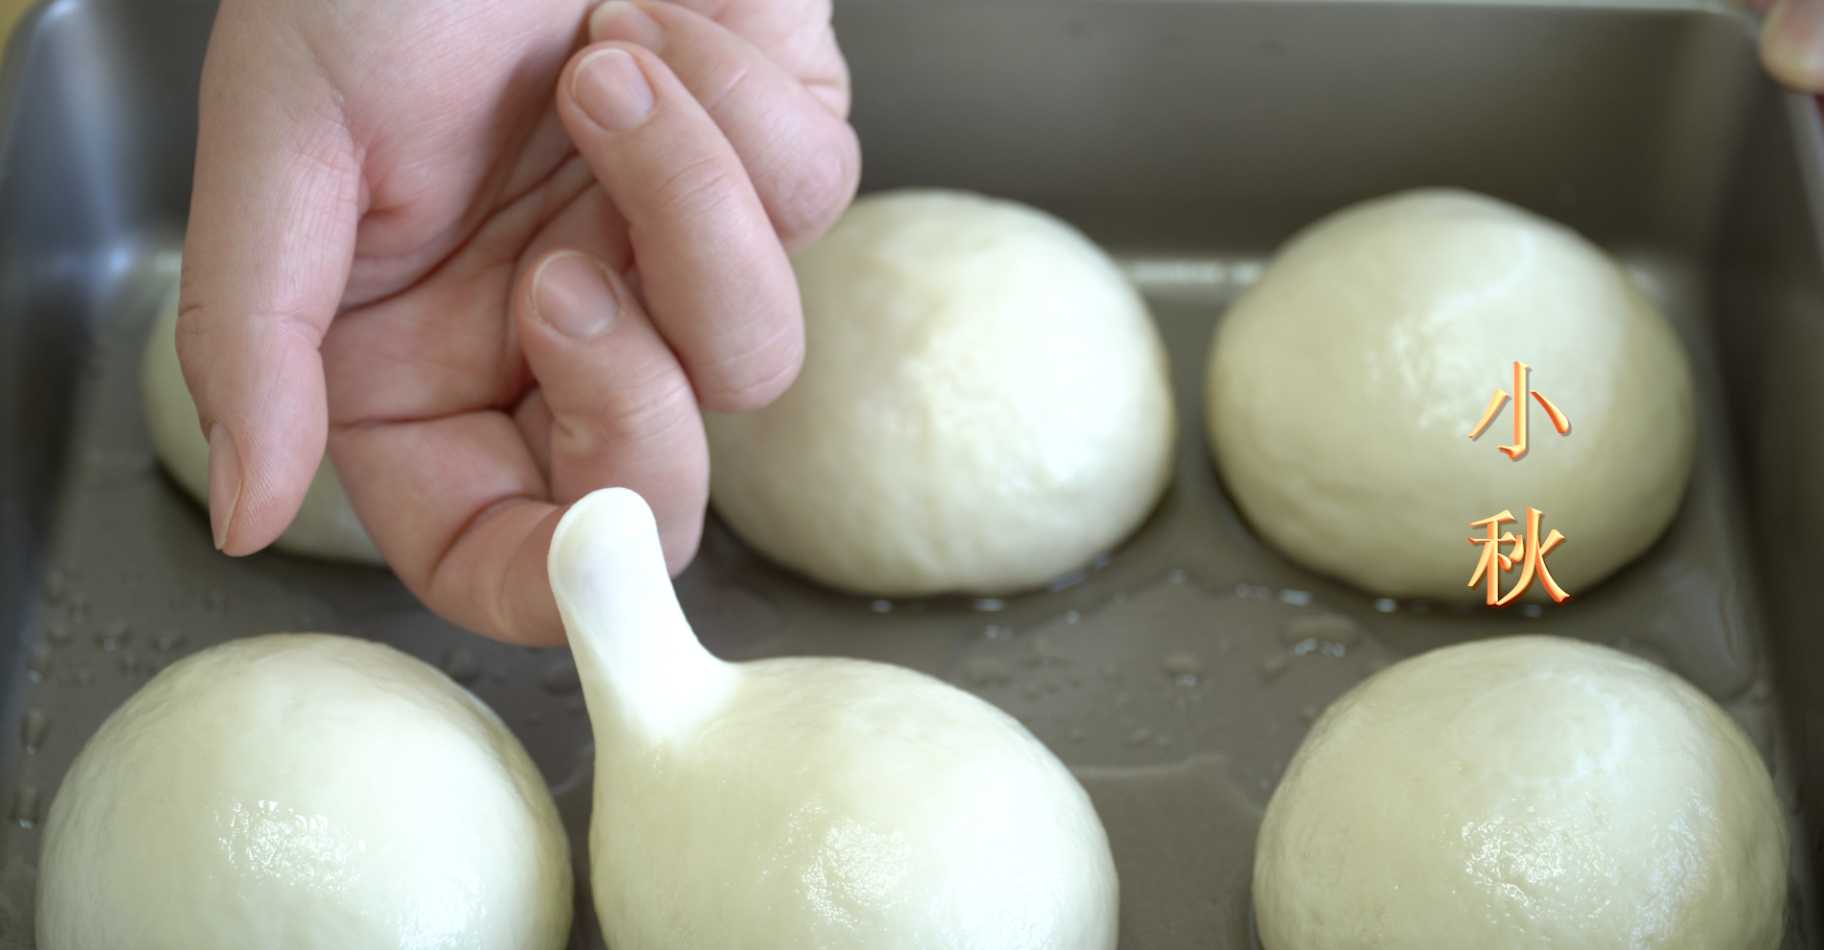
1190	138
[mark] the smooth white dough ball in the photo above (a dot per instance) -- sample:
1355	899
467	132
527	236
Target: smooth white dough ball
1343	386
304	791
807	802
1525	792
891	812
326	525
985	405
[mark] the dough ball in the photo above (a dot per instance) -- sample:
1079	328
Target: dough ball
1343	386
890	812
303	791
984	407
808	802
326	526
1527	792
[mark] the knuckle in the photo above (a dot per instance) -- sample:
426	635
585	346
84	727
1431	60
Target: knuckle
192	340
699	189
220	353
818	186
202	330
738	79
751	378
632	415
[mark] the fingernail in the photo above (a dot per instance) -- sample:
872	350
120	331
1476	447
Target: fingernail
1792	43
621	20
571	293
224	483
611	90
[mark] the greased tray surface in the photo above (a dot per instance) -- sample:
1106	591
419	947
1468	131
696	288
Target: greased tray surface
1178	675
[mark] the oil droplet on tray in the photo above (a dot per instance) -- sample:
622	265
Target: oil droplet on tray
988	671
560	679
995	631
881	606
460	664
113	636
1319	648
56	585
1184	668
989	604
25	806
1386	605
1328	634
1295	598
32	729
38	663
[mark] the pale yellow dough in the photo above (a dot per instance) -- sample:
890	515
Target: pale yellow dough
326	525
1343	386
306	792
985	405
1523	794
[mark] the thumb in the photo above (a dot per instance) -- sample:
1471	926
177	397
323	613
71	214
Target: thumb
266	257
1792	44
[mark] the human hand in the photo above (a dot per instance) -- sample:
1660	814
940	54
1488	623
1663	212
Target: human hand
1792	42
486	299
